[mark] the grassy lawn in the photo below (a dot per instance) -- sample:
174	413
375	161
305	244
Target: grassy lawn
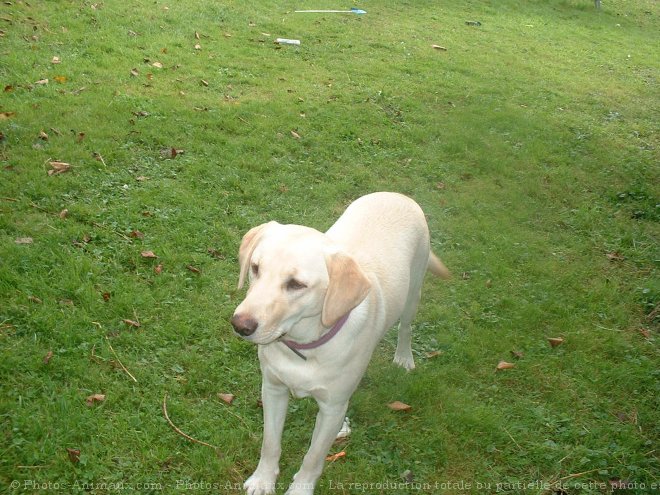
530	140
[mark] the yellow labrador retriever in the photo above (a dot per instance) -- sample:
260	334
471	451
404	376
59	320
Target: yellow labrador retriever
317	306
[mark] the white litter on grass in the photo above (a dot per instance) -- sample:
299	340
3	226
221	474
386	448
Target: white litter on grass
345	429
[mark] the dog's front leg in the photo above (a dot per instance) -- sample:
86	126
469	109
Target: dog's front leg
275	399
328	423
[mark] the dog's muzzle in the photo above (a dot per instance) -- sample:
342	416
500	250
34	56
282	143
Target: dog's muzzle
244	325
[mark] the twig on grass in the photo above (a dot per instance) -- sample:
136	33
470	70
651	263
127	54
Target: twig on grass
119	362
513	439
175	428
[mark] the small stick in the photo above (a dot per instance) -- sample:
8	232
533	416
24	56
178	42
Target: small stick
513	439
174	427
120	363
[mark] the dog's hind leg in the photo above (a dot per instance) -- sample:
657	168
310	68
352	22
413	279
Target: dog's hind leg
403	355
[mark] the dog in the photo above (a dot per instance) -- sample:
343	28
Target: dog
317	306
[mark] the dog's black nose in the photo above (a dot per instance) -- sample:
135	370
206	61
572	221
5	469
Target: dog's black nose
244	325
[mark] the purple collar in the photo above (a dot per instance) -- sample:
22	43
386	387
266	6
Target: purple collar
297	347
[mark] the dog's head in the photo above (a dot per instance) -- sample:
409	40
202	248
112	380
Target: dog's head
294	273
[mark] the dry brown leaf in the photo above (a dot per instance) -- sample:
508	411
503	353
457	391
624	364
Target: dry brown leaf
132	323
94	398
503	365
295	134
198	46
615	256
48	357
136	234
56	60
35	300
399	406
58	168
555	341
157	65
134	72
517	354
197	35
106	296
334	457
438	47
74	455
158	269
204	83
24	240
226	398
7	115
148	254
194	269
433	354
43	136
42	82
60	79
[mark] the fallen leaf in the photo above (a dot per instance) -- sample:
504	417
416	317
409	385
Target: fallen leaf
408	476
6	115
42	82
204	83
94	398
132	323
645	333
134	72
74	455
334	457
517	354
35	299
9	88
226	398
615	256
56	60
503	365
295	134
60	79
198	46
193	269
433	354
58	168
555	341
158	269
148	254
80	137
106	296
136	234
197	35
399	406
157	65
43	136
64	213
24	240
48	357
438	47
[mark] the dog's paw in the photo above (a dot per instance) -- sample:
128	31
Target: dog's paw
404	361
300	489
258	484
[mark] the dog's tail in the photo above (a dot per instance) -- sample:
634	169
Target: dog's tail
437	267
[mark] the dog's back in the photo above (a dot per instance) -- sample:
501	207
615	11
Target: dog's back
387	234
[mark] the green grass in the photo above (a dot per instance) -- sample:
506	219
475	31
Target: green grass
531	144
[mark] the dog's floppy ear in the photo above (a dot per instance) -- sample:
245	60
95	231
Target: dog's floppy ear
248	244
347	288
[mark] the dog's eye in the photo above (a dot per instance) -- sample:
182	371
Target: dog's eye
255	269
294	284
